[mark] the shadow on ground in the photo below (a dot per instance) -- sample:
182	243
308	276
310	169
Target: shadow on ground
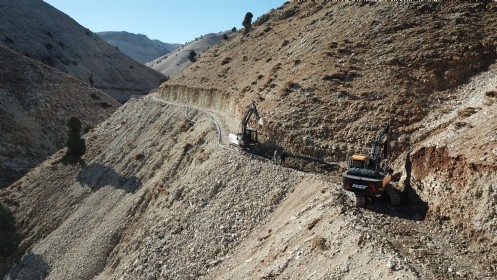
411	207
302	163
98	175
31	266
9	239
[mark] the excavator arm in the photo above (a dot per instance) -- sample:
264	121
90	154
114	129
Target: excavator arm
247	135
379	150
252	110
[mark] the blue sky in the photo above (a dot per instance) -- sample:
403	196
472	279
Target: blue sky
171	21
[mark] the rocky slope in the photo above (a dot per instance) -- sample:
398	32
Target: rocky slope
160	196
137	46
174	62
39	31
36	102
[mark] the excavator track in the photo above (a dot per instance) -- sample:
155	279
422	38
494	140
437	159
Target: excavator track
360	200
393	195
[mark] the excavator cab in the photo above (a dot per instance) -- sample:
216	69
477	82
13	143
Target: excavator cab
251	134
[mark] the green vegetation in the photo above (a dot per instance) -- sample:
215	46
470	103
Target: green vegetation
192	56
90	79
76	146
9	239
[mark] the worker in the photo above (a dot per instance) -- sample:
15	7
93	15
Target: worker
282	157
277	156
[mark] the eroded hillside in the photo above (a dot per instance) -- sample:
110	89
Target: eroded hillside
41	32
174	62
36	102
328	74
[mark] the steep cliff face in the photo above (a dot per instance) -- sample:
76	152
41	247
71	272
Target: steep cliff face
39	31
36	102
137	46
328	75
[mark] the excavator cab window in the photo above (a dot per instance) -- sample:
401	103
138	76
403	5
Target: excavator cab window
357	161
252	135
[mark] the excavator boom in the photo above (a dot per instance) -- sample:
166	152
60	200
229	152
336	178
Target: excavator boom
247	136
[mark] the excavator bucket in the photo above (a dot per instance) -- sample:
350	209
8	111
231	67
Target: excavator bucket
262	121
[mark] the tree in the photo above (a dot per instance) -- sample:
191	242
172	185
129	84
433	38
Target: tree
76	146
192	56
9	238
247	21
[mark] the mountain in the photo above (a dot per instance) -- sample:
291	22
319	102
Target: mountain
174	62
39	31
161	194
36	101
137	46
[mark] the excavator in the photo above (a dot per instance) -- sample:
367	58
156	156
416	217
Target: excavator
248	137
370	174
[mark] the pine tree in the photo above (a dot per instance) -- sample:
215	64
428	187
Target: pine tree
76	146
192	56
247	21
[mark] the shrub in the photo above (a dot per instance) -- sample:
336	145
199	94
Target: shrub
233	29
192	56
76	146
105	105
90	79
94	96
225	37
247	21
7	40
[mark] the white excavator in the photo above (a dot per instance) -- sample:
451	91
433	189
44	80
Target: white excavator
248	137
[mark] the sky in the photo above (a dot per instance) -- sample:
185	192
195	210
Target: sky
170	21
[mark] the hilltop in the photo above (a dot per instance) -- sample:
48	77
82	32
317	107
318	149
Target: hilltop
137	46
160	194
174	62
41	32
36	101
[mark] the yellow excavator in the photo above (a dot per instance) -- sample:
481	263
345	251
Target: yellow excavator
370	174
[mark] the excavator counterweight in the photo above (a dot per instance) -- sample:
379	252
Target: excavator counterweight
369	175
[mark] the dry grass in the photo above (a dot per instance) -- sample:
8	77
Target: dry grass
468	111
319	242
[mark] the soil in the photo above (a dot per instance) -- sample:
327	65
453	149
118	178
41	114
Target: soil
161	195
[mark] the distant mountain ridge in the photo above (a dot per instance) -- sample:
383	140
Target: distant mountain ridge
37	30
35	103
137	46
175	61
